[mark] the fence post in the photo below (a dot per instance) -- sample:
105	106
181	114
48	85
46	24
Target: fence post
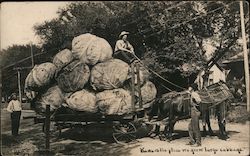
19	85
138	84
47	128
133	86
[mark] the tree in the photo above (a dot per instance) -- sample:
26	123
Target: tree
167	35
16	56
77	18
16	53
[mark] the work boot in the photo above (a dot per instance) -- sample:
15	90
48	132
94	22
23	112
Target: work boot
190	143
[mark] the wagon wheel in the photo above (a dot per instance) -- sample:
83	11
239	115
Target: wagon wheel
124	133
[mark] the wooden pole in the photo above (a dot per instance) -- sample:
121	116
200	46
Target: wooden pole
1	104
138	84
1	95
47	128
246	64
18	69
133	86
19	85
32	56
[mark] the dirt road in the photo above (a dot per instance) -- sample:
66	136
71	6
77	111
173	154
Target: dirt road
98	141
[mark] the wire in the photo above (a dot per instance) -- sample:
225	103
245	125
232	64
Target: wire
177	5
179	24
166	87
22	60
165	79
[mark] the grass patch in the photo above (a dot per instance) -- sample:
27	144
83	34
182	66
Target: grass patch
238	114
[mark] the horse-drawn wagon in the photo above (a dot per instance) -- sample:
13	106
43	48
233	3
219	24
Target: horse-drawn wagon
80	75
171	107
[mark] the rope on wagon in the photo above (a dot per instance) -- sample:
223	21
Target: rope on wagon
158	74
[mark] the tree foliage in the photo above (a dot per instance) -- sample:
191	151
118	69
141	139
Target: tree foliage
165	34
16	53
12	57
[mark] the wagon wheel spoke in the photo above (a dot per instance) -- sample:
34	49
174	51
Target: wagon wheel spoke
119	131
118	136
124	133
122	139
131	134
131	129
128	138
132	137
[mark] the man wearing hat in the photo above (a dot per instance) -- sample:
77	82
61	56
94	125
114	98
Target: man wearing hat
14	107
194	127
123	49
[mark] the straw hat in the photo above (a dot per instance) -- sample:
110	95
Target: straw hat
123	33
13	94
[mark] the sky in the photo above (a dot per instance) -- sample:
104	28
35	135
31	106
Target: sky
19	18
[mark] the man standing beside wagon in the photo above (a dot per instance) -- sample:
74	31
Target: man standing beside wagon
194	127
15	108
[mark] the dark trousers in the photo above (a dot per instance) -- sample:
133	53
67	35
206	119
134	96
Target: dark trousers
124	56
194	127
15	121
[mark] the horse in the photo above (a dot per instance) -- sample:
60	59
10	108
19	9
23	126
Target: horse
174	106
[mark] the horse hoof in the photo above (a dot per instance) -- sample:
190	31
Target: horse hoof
170	139
227	138
204	134
153	135
211	133
224	138
162	138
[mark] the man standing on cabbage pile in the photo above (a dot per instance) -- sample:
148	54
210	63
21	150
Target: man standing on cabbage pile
123	49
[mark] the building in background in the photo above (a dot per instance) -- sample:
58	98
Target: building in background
235	65
236	75
216	74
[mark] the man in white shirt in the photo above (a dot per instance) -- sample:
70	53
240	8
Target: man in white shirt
194	127
14	107
123	49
